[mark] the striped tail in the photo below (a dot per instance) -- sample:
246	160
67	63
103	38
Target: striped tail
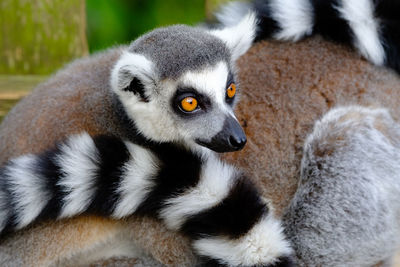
372	27
209	201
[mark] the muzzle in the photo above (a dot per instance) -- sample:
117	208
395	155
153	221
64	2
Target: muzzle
230	138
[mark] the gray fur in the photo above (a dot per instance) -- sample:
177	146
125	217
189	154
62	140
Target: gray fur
345	211
175	61
177	49
144	261
83	88
138	176
4	202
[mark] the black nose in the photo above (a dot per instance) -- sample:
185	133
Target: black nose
237	142
230	138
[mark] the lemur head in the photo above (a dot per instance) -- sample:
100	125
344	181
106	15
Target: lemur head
178	84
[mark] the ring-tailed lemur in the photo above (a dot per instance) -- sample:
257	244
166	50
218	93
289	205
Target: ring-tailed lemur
372	27
345	211
193	192
289	86
175	89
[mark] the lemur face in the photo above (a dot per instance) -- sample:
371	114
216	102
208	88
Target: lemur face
200	103
178	84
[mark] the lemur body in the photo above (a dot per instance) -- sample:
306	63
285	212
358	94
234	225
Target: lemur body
348	190
287	86
172	96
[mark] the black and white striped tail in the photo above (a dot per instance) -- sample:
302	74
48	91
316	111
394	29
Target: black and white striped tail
370	26
206	199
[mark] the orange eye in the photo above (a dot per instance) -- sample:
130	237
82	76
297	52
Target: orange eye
189	104
231	91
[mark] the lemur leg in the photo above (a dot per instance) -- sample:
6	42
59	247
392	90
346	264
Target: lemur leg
345	211
212	203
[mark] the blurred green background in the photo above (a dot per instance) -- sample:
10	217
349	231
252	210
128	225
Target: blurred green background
38	37
120	21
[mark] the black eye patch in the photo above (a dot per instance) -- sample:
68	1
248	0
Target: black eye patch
230	80
203	101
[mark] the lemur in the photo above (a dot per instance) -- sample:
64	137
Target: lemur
192	191
173	92
371	27
348	191
287	86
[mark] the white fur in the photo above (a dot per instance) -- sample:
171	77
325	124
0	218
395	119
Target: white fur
232	12
211	82
78	161
360	16
151	118
28	189
295	18
137	65
155	119
239	37
138	180
216	179
263	244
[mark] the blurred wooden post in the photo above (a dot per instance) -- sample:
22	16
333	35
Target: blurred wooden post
39	36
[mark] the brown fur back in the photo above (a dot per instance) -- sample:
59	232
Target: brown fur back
75	99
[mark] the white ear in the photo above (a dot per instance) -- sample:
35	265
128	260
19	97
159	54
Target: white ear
130	66
239	37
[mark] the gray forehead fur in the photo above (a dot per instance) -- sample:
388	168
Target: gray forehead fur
177	49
